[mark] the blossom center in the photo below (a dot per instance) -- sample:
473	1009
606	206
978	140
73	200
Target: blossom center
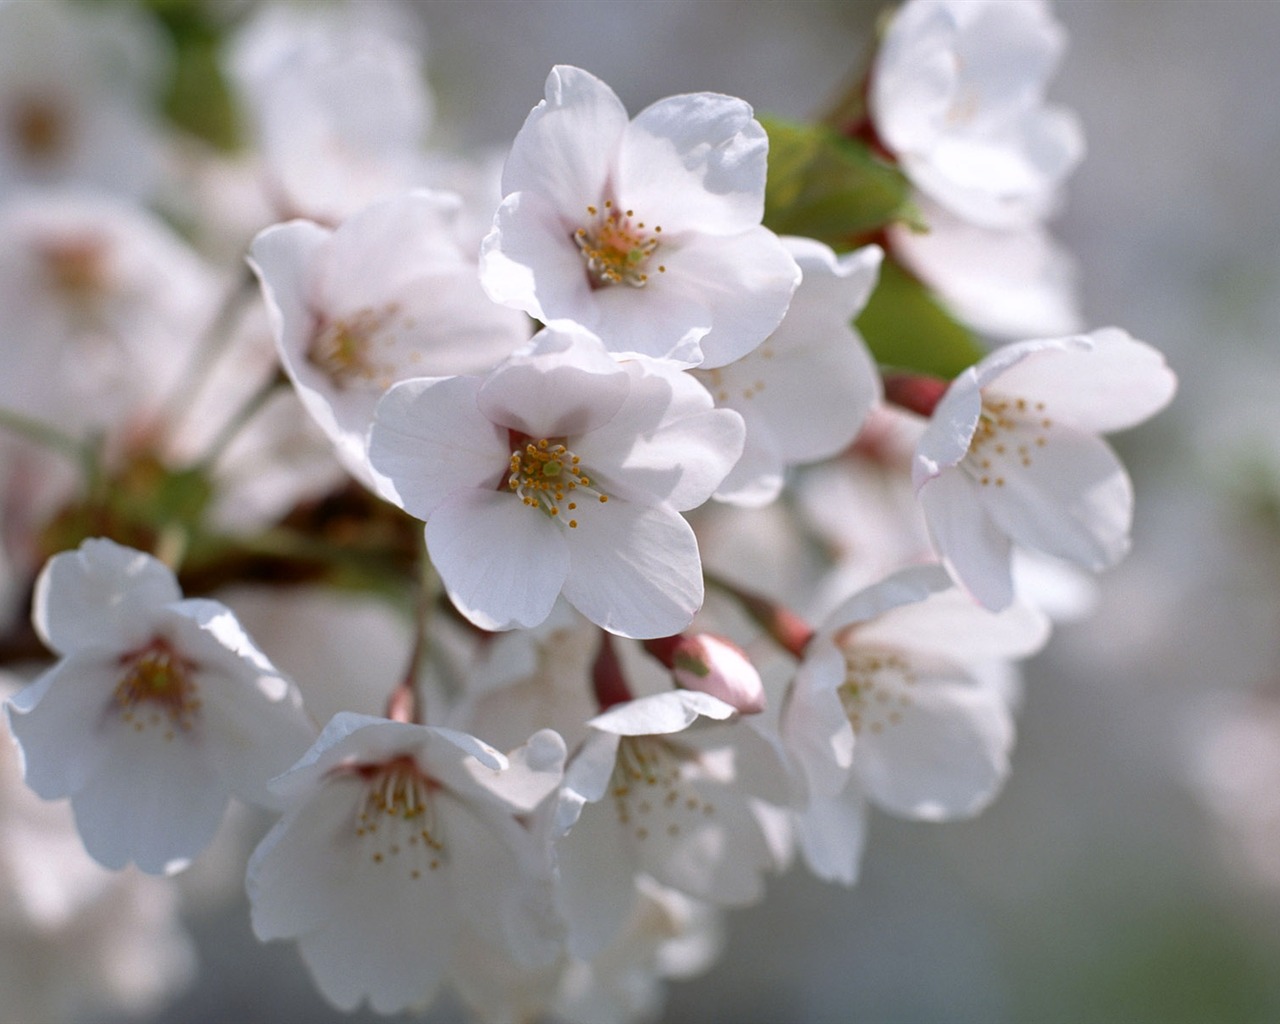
876	688
342	349
39	128
617	247
76	268
157	685
546	475
1008	432
650	790
396	818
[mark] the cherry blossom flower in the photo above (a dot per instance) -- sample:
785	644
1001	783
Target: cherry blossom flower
957	94
647	232
891	705
387	296
1011	455
397	841
664	787
806	390
562	471
75	95
159	709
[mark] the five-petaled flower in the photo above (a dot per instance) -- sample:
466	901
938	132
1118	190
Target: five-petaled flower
158	710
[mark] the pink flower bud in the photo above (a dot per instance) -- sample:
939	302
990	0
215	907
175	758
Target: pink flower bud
718	667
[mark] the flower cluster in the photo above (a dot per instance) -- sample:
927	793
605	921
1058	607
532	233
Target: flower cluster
565	463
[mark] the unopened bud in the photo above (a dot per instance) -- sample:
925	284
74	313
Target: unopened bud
718	667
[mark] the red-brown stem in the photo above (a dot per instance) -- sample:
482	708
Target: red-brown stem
663	648
784	627
607	679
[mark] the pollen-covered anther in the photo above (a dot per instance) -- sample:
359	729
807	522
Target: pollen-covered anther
157	688
396	817
650	789
1006	436
875	692
617	247
344	349
545	474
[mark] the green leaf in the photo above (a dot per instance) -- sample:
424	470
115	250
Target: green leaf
907	329
196	96
829	187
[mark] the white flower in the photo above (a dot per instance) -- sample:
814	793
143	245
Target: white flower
664	786
891	704
387	296
562	471
397	840
957	93
1011	455
159	709
76	88
806	390
340	102
646	232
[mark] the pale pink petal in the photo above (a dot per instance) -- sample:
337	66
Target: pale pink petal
814	723
597	870
1074	499
502	562
757	477
745	281
950	429
100	594
947	755
566	383
661	713
1115	383
977	550
430	439
695	162
567	144
832	834
633	570
662	320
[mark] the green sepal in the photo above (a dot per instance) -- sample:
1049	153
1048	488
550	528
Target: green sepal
907	329
824	185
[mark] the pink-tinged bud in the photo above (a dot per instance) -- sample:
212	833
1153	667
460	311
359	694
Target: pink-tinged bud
718	667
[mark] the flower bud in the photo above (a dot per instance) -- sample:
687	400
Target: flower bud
718	667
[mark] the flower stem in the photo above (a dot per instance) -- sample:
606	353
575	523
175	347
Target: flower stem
781	624
231	429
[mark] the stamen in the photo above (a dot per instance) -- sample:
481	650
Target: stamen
616	248
157	679
1006	436
546	475
397	814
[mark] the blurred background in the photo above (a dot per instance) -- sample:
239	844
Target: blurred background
1130	871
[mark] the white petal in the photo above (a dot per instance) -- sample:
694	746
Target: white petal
950	429
1074	500
661	713
597	869
1115	383
745	282
157	800
429	439
566	146
832	834
565	383
814	723
502	562
695	162
976	549
101	594
945	758
634	570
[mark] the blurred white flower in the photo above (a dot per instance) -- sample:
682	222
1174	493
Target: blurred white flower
957	94
159	709
647	232
562	471
397	839
77	87
1012	455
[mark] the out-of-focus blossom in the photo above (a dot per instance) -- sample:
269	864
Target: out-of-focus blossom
646	231
957	94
